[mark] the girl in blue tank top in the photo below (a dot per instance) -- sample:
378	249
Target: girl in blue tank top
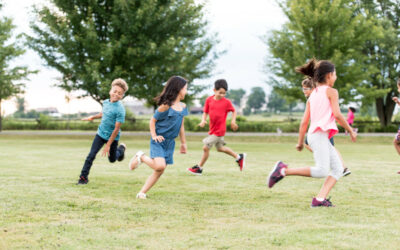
166	124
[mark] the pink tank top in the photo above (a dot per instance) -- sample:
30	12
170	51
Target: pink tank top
322	117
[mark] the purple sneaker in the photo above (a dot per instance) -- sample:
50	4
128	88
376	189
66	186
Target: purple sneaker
324	203
276	174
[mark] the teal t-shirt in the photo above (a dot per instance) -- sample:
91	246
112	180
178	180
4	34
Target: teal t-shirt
112	112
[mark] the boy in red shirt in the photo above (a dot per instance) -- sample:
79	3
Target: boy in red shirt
217	107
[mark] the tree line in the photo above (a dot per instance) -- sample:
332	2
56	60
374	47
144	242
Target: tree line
145	42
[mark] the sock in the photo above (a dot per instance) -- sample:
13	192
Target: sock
283	171
201	167
238	157
320	199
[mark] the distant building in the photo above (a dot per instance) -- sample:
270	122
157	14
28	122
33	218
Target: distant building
196	110
137	107
50	111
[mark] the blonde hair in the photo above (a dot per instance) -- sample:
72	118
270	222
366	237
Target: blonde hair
120	83
308	82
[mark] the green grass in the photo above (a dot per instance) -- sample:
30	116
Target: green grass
41	207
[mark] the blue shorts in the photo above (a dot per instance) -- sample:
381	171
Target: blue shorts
163	149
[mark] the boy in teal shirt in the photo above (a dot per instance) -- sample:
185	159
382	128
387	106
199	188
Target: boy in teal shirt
112	117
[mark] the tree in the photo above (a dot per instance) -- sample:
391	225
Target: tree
384	54
236	95
275	102
256	98
144	42
324	29
9	75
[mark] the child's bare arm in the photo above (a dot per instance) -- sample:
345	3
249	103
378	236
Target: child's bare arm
303	127
334	97
203	120
91	118
182	137
106	150
234	126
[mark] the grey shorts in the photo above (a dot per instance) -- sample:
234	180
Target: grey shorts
212	140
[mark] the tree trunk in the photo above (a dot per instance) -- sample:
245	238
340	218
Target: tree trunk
384	109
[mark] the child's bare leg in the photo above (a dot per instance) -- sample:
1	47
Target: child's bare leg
159	165
228	151
396	146
299	171
326	188
308	147
204	157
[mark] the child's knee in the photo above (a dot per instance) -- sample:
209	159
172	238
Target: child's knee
160	167
319	172
206	149
220	149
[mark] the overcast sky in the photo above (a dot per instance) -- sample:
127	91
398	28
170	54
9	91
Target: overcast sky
239	24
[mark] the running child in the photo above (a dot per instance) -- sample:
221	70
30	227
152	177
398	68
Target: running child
308	86
217	107
108	132
396	141
350	117
322	108
166	124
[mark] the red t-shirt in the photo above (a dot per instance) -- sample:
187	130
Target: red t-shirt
218	110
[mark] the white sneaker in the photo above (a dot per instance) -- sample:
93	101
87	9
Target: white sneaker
141	196
135	161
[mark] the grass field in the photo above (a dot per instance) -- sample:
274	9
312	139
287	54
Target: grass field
41	207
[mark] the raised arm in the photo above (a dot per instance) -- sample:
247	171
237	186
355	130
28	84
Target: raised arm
91	118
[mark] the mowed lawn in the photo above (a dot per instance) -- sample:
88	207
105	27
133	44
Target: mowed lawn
41	207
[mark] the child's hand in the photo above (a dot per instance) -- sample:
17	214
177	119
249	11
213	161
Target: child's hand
183	148
395	99
353	136
299	146
202	123
158	138
106	150
234	126
90	118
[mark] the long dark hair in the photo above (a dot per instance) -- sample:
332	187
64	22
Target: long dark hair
171	90
316	69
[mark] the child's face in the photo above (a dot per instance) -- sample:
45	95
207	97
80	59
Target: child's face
183	92
116	93
307	91
219	94
332	78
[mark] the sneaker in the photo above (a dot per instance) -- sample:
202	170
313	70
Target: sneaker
82	180
242	161
346	172
123	148
196	170
324	203
135	160
276	174
142	196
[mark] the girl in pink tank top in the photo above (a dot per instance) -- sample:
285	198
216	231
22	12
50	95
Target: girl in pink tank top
322	109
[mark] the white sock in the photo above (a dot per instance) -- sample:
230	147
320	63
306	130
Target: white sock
320	199
238	157
283	171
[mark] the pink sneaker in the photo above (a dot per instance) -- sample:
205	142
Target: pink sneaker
324	203
276	174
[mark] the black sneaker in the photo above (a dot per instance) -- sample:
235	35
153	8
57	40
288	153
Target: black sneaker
82	180
196	170
122	147
346	172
